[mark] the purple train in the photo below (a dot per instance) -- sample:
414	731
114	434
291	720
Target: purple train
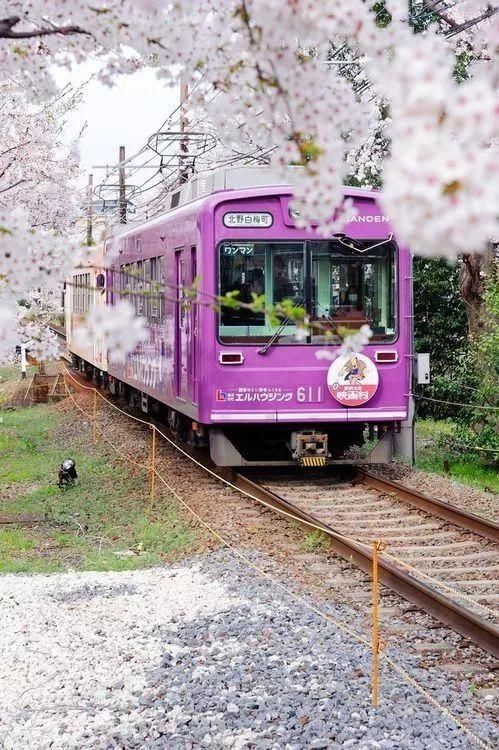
255	391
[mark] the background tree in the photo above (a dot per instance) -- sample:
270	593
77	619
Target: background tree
271	69
440	328
475	269
37	209
478	428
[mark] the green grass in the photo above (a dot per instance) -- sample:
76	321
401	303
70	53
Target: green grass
316	540
104	522
10	376
434	457
23	446
14	540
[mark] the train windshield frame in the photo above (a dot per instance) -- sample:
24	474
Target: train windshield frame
340	287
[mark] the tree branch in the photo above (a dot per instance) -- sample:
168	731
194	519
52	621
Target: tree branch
15	184
441	14
7	25
14	148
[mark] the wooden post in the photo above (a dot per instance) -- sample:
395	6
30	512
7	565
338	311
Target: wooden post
153	463
377	547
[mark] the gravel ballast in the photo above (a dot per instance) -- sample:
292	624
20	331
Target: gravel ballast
206	654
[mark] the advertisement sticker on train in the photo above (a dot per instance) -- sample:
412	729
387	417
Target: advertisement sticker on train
258	394
254	219
352	379
310	394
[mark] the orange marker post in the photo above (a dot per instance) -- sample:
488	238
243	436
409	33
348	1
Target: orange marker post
94	431
153	463
377	548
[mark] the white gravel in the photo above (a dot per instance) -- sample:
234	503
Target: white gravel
203	655
77	649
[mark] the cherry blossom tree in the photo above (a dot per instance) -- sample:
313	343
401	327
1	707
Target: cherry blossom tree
281	86
37	173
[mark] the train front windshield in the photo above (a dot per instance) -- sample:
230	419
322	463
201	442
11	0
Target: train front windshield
339	287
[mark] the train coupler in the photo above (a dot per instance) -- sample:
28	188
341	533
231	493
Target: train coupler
309	448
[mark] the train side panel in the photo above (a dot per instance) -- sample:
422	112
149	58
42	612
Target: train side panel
85	291
166	366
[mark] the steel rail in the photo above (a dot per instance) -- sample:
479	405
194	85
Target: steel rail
482	526
462	620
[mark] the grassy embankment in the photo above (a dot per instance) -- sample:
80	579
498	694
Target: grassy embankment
9	379
432	456
103	523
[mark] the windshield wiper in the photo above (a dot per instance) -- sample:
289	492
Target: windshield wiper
274	336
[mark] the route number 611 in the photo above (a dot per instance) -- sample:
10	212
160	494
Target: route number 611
310	394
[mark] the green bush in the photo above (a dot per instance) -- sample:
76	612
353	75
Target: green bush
441	328
477	430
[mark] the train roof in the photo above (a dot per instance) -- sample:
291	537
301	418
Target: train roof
247	181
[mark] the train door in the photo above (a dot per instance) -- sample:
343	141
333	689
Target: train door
185	325
193	331
181	326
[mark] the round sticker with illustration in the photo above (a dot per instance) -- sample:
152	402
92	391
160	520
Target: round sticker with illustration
352	379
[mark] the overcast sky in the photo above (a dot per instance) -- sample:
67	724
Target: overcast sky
124	115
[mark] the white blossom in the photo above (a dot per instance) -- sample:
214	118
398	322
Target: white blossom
118	326
392	112
37	208
352	344
267	61
42	343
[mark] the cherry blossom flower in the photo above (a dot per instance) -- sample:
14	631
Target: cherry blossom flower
119	327
279	87
321	85
42	343
352	344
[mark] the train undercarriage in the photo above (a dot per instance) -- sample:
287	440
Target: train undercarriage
262	445
306	445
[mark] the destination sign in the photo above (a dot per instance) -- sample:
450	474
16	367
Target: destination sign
254	219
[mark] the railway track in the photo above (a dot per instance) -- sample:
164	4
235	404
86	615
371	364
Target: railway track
439	557
442	559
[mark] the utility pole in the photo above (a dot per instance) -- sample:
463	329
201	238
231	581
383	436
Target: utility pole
122	199
90	189
184	93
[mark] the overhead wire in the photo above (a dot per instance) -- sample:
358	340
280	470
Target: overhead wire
170	166
169	169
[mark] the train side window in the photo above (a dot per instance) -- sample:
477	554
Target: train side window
161	285
147	288
89	293
181	289
133	284
153	300
126	283
140	287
